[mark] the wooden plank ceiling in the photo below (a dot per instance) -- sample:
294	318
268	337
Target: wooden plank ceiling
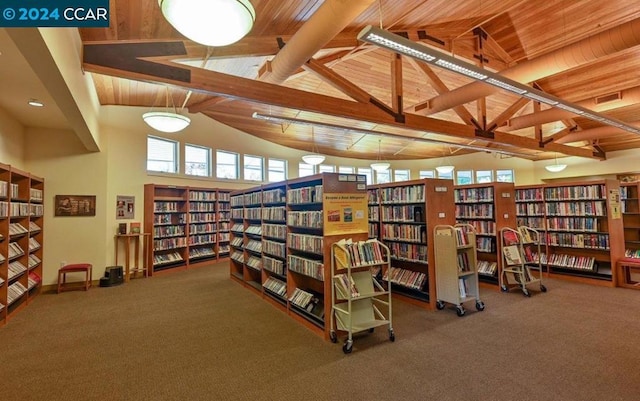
337	86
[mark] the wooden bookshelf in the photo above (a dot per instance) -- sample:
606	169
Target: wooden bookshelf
628	269
21	239
488	208
188	226
402	215
299	220
582	228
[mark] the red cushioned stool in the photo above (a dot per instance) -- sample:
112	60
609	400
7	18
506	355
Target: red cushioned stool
75	268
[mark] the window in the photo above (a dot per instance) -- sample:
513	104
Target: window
401	175
197	160
446	176
227	165
464	177
305	169
325	168
383	177
277	170
484	176
427	174
253	168
366	171
504	175
162	155
346	170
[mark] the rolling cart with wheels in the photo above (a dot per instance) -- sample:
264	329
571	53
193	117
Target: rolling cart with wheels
456	267
520	250
359	302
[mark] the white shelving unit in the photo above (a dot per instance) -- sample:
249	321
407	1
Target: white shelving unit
521	254
456	267
359	302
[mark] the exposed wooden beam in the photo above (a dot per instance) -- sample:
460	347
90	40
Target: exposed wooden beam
337	81
109	61
508	113
396	83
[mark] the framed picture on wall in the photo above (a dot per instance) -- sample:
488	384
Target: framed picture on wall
125	207
75	205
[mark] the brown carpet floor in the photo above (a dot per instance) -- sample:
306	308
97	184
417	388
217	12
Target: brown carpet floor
197	335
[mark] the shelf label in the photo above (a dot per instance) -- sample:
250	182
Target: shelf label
441	189
506	215
441	215
506	194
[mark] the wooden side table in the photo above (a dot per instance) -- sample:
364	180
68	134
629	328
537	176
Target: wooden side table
140	244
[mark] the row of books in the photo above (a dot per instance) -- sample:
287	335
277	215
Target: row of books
464	264
238	256
578	192
15	250
202	207
274	213
278	231
305	195
463	287
33	244
273	265
161	259
252	198
19	209
404	194
483	211
168	231
359	253
569	240
254	229
407	278
4	189
568	261
163	206
345	286
303	299
169	243
253	245
310	219
406	213
195	253
473	195
200	217
307	267
591	208
238	227
254	213
485	227
632	253
34	261
207	196
374	230
202	239
374	213
254	262
15	291
274	248
372	196
33	280
237	214
274	196
236	201
410	252
276	286
403	232
590	224
529	194
530	209
203	228
17	229
462	238
306	243
163	219
486	244
16	269
487	268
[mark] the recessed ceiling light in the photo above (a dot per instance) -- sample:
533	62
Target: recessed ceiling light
35	103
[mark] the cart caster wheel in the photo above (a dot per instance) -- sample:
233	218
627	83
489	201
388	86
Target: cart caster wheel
439	305
371	330
347	347
333	336
543	288
460	310
504	288
479	305
526	293
392	336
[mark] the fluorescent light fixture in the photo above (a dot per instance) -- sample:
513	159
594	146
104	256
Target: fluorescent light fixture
35	103
166	121
210	22
445	169
380	166
555	168
402	45
314	159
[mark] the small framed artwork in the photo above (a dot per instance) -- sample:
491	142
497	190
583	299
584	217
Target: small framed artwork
75	205
125	207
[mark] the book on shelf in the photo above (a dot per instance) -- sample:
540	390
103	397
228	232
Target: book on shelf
122	228
525	233
346	286
509	237
512	255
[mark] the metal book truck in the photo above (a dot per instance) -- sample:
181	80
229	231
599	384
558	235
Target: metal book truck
521	253
456	267
359	302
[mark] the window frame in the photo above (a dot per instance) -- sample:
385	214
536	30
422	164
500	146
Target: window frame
176	154
237	164
271	170
245	169
207	163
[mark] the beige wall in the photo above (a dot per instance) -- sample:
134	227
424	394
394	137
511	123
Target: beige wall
11	141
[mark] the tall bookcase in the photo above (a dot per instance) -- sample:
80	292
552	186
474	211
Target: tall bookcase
189	226
298	220
582	227
630	198
402	215
488	208
21	239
